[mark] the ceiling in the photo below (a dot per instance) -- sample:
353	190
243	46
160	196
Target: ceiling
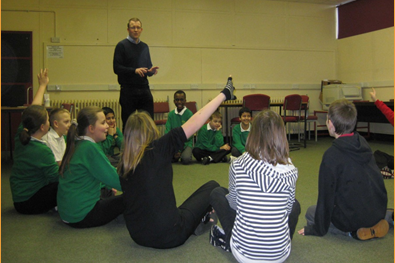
324	2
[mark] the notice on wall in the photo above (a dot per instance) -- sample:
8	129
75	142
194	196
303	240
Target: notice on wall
55	52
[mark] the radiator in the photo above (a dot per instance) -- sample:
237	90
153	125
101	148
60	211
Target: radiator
113	104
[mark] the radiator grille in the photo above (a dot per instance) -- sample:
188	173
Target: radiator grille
113	104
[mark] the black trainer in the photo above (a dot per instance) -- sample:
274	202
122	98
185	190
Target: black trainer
217	238
225	159
205	160
206	223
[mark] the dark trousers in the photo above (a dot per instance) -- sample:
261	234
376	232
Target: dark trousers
134	98
235	152
191	213
102	213
227	215
40	202
217	156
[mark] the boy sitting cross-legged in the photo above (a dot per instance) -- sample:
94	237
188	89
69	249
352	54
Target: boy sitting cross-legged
210	145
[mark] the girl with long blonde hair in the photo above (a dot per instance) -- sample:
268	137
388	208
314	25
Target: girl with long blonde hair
146	176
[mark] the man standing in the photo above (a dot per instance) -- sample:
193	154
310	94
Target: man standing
132	63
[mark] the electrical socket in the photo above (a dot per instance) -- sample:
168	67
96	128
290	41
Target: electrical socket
194	86
55	39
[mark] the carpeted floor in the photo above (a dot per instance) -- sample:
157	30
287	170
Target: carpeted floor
44	238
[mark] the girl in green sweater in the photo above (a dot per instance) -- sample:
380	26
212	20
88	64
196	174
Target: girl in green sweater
84	169
34	175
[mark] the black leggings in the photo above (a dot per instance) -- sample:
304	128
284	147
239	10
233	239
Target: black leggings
41	202
190	212
102	213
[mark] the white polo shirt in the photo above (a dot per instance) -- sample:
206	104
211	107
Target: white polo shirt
56	143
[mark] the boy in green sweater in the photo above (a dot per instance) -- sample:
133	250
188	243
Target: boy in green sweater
210	145
177	118
241	131
114	137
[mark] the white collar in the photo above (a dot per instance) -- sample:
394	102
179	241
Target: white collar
86	138
37	140
180	112
54	133
209	127
242	130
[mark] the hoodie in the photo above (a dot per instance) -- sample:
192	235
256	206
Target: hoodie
262	195
351	191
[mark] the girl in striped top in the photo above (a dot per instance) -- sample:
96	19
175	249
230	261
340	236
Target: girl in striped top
259	212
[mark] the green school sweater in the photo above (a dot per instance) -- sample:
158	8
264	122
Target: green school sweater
175	120
34	167
79	187
239	138
209	140
110	143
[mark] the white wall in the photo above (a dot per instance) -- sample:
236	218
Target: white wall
368	60
279	47
274	45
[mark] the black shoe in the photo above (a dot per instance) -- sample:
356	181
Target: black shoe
217	238
205	160
206	223
225	159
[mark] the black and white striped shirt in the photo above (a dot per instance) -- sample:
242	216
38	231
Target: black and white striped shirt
262	195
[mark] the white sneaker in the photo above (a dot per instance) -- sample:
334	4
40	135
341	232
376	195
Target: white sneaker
232	158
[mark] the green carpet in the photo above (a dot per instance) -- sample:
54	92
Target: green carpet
44	238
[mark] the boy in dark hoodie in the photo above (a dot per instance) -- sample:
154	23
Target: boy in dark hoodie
352	198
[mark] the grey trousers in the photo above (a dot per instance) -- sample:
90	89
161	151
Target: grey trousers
310	214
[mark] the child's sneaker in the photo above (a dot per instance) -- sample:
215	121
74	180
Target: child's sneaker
232	158
209	219
225	159
205	160
217	238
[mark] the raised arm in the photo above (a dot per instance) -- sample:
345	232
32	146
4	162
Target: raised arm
200	117
43	81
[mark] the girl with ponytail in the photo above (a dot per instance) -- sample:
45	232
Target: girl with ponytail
84	170
34	174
